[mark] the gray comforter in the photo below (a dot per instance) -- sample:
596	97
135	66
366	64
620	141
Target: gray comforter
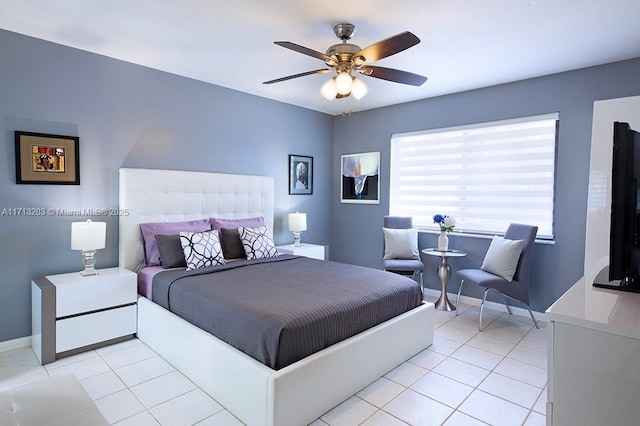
280	310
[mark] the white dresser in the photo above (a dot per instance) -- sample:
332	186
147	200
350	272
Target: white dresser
594	357
594	334
71	313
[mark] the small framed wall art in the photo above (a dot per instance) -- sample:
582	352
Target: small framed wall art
47	159
300	175
360	178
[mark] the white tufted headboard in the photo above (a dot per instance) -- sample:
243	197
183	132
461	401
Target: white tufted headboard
148	195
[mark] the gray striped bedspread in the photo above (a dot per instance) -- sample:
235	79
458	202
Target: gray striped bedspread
282	309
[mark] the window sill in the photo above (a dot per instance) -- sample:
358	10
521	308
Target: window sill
480	236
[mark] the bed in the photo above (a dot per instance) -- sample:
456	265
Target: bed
258	395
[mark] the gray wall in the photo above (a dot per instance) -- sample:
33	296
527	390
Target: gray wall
356	235
132	116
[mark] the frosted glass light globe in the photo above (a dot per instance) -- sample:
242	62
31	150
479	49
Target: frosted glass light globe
344	82
359	89
329	90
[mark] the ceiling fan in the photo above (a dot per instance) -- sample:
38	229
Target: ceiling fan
344	58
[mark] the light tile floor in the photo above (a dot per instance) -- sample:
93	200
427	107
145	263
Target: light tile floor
495	377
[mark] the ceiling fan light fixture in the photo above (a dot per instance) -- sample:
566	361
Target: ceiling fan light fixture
359	89
344	82
328	89
347	58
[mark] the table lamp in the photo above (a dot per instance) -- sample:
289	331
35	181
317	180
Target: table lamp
297	224
88	236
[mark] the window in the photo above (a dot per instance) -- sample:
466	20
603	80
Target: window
485	175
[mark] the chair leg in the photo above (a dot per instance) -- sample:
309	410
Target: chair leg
505	297
532	318
458	298
506	302
484	299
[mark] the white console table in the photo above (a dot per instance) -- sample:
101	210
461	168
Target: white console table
594	357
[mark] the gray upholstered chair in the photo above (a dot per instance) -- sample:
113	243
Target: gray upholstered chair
518	288
403	266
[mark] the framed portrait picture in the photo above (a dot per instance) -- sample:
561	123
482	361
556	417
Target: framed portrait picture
300	175
47	159
360	178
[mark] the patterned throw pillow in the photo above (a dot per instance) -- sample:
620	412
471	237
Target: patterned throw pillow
257	242
201	249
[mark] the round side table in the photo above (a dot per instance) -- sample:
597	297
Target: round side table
444	273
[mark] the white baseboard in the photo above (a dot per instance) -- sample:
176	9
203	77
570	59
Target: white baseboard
540	316
9	345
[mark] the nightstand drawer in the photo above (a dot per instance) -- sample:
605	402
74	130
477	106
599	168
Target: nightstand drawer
76	294
86	330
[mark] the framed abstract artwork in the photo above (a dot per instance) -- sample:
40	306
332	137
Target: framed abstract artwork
47	159
360	178
300	175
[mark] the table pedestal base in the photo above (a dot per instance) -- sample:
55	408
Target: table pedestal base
444	304
444	273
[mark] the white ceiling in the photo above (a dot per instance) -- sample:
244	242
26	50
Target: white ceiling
465	44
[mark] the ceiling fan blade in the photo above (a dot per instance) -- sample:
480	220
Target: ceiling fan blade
302	74
387	47
306	51
394	75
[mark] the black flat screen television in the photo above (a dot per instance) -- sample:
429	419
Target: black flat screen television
624	248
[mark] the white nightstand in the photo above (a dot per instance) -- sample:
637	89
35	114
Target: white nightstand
71	313
309	250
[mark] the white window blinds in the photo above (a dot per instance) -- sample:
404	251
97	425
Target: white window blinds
485	175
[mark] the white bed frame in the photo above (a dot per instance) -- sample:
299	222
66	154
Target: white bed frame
257	395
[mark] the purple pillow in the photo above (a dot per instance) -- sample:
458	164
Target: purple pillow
149	231
248	222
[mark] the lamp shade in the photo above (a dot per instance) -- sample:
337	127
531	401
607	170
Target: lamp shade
88	235
297	222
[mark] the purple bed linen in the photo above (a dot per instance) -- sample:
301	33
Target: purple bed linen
145	280
282	309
